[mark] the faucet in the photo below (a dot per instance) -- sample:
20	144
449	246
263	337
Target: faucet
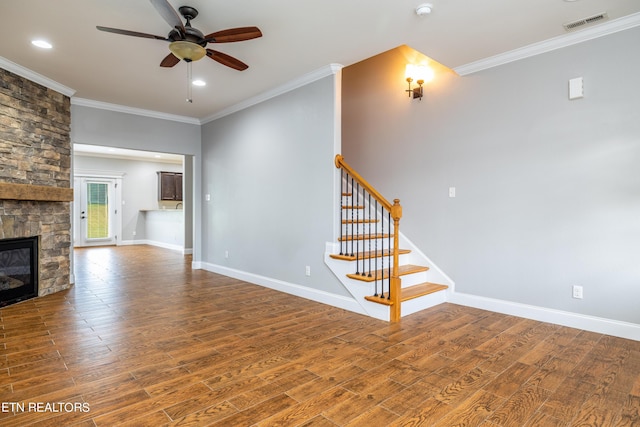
178	205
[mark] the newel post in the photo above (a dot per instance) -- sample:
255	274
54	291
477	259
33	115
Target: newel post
395	284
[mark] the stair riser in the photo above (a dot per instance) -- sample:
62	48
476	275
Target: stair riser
423	302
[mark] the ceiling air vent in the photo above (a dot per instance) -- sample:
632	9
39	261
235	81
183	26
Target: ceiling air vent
570	26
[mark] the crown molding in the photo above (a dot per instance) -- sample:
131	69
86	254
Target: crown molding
549	45
82	102
35	77
294	84
306	79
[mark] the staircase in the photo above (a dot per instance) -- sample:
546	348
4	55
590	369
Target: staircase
378	265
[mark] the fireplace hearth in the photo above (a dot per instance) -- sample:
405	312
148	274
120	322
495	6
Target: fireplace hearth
18	269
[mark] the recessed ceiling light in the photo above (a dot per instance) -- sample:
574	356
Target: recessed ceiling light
199	83
41	44
424	9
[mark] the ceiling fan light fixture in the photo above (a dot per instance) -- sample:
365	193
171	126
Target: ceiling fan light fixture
187	50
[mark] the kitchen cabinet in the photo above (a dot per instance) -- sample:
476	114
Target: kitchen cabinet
170	186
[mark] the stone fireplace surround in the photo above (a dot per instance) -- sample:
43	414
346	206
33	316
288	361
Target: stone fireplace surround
35	174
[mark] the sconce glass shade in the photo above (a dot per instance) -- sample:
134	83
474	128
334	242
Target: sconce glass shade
187	50
418	73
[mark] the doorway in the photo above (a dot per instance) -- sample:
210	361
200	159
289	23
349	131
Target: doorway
96	202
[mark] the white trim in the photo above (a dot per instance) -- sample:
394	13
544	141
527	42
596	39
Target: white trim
272	93
88	173
35	77
323	297
82	102
558	42
574	320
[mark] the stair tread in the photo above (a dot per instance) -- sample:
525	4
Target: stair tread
352	207
379	300
360	221
363	237
367	255
409	293
384	273
420	290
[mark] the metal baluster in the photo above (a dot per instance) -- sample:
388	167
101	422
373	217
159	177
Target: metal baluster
383	262
342	193
375	243
351	223
390	255
356	235
360	230
369	231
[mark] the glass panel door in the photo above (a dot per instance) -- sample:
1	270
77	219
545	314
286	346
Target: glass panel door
96	212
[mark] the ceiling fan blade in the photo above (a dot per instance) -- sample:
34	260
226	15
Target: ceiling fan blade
234	35
169	61
130	33
168	13
227	60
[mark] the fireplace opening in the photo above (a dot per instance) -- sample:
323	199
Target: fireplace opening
18	269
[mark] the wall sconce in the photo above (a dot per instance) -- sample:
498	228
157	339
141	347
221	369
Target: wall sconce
421	74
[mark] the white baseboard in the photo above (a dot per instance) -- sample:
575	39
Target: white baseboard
323	297
574	320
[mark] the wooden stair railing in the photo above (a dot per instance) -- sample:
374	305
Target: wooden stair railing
370	222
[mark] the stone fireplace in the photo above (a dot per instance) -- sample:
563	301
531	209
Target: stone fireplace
35	174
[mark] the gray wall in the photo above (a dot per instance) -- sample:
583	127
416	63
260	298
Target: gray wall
269	170
548	189
94	126
139	188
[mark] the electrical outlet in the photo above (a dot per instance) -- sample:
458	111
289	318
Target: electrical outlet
577	292
452	192
226	254
307	270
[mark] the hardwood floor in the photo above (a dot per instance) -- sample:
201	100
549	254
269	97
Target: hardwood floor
143	340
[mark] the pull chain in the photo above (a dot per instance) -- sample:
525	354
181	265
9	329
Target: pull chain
189	78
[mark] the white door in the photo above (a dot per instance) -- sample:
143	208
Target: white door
95	211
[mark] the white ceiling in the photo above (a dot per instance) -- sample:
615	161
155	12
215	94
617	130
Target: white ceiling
299	37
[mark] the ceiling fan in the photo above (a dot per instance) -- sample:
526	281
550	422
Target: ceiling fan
188	43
